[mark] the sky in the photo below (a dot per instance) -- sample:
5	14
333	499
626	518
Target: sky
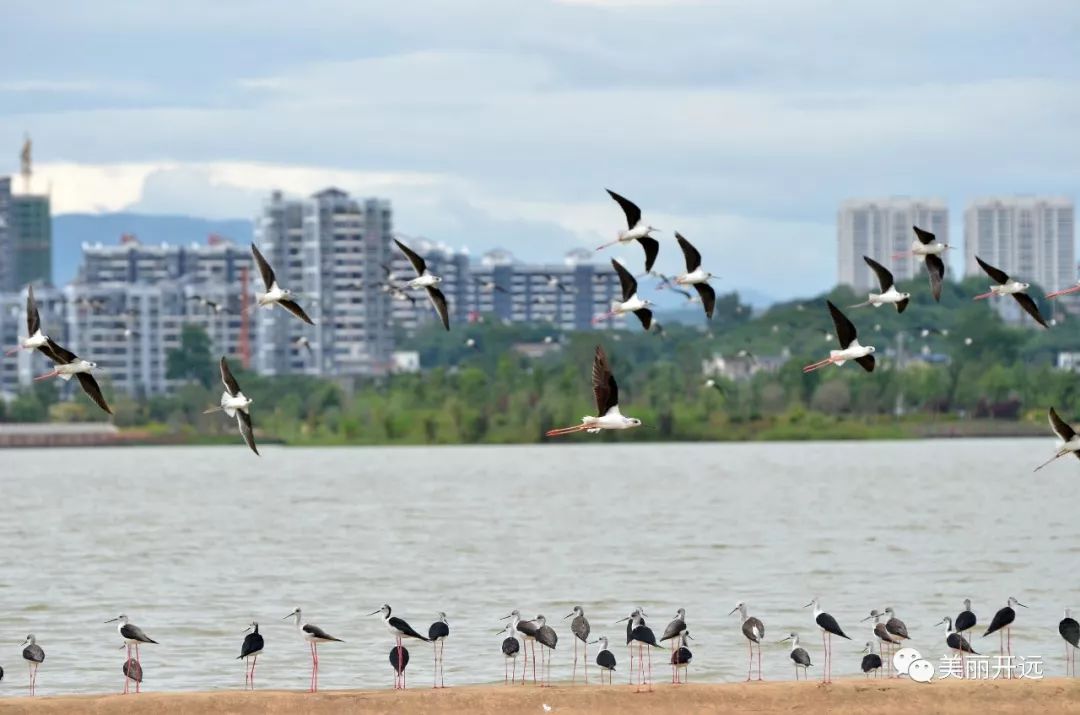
499	123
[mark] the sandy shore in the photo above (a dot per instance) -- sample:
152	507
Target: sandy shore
1051	695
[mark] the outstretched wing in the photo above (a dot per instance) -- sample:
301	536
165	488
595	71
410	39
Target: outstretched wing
57	354
33	320
1028	305
867	362
439	301
884	276
999	276
652	250
243	421
936	269
91	388
293	307
227	378
708	297
925	237
645	316
1060	427
265	270
693	258
845	329
417	262
605	389
628	282
633	213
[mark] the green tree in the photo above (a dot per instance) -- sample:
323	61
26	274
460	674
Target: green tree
192	360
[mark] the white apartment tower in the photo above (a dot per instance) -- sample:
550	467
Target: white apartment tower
880	228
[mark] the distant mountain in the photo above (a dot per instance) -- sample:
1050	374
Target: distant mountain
70	231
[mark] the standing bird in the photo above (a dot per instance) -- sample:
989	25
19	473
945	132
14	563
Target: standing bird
275	293
673	633
132	635
399	628
1070	631
132	674
34	657
1069	440
437	633
249	653
548	639
954	640
895	626
966	619
527	629
606	392
829	627
850	349
235	403
629	632
888	295
637	230
798	655
35	339
580	628
399	658
510	649
1009	286
314	636
642	636
882	633
696	276
871	662
69	365
630	302
605	659
426	280
1002	625
680	657
926	248
754	630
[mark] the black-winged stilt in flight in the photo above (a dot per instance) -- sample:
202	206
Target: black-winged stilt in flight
1070	442
631	302
798	655
398	627
314	636
234	403
680	658
696	276
437	633
35	339
1004	285
673	633
249	653
850	349
883	635
580	629
642	636
928	249
510	649
274	292
132	635
753	630
527	629
303	342
637	230
489	286
871	662
888	295
399	658
829	628
426	280
554	283
605	659
1069	629
34	657
1002	625
606	392
548	639
69	365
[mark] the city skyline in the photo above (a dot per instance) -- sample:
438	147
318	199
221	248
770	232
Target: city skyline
735	139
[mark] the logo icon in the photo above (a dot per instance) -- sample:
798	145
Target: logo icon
921	671
904	658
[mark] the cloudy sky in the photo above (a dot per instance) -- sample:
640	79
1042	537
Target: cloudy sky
500	122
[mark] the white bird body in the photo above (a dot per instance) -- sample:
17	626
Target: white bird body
274	295
640	230
921	250
230	403
851	352
629	306
34	341
889	297
698	275
424	281
613	419
1010	288
70	370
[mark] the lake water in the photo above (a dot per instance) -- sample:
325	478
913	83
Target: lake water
193	543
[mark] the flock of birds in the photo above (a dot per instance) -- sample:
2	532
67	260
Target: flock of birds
523	635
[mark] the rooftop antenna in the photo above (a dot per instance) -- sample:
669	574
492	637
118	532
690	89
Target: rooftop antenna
26	162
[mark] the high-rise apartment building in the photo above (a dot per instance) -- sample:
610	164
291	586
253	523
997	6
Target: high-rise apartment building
880	228
1032	238
29	220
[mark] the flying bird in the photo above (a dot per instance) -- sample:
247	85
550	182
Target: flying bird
1009	286
275	293
927	248
235	403
69	365
630	302
426	280
888	295
696	276
35	339
606	392
850	349
489	285
637	230
303	342
1070	442
554	283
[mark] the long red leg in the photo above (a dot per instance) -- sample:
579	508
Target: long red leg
759	661
254	662
750	645
127	682
138	683
533	648
586	647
